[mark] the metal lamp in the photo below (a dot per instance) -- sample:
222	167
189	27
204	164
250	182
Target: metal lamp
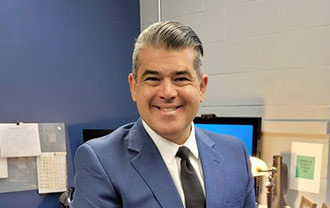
259	168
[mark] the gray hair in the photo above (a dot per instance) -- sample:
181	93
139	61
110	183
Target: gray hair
169	35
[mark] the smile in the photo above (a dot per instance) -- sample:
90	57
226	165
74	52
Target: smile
167	109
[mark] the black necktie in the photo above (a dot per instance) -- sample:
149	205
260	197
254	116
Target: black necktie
193	193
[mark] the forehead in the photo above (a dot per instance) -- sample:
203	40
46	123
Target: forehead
162	59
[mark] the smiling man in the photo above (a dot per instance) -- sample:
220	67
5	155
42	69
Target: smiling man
162	160
167	90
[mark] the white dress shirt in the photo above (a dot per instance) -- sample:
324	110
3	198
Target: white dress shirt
168	151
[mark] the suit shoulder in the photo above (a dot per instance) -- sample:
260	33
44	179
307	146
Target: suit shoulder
112	140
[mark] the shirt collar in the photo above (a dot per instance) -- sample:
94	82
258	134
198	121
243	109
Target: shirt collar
169	149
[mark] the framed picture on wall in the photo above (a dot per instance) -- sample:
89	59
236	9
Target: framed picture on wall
306	166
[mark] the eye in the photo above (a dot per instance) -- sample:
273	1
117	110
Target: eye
182	79
151	79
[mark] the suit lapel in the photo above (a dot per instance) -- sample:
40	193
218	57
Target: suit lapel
151	167
212	170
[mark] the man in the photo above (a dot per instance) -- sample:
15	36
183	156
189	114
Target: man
142	164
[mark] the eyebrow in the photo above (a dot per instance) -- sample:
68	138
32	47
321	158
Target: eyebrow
183	72
149	72
154	72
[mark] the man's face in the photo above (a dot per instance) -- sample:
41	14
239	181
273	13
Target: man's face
167	91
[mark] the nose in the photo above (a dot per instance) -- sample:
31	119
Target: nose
168	90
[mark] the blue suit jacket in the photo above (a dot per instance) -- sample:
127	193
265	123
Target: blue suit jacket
125	169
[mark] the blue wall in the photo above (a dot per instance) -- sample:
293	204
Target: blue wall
65	61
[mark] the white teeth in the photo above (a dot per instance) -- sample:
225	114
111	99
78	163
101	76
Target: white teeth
167	109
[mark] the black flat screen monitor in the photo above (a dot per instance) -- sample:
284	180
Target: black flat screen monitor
89	134
245	128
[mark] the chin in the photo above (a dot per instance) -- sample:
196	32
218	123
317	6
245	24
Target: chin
167	132
171	133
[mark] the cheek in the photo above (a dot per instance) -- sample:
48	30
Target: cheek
191	95
145	96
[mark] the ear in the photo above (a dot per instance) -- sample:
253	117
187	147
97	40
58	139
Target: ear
132	86
202	87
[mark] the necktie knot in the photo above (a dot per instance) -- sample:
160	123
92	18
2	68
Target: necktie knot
183	153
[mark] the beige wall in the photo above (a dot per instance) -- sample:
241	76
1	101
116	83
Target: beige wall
267	58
